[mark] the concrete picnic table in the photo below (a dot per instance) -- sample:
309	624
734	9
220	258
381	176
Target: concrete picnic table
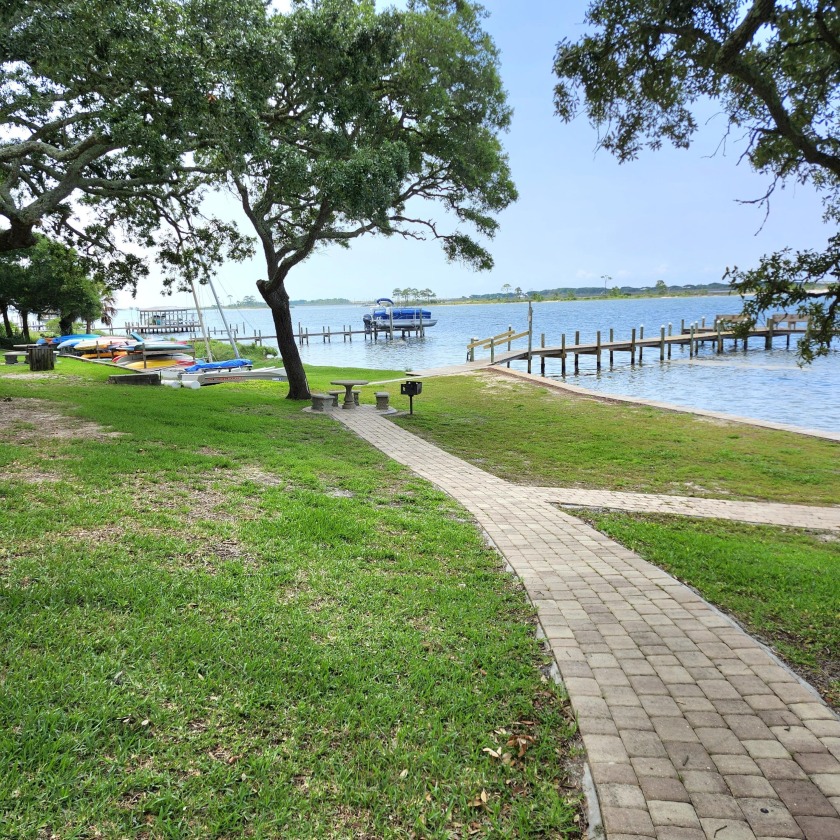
349	385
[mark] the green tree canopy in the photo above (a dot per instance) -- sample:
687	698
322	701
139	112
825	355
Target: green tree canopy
47	278
647	65
101	103
364	120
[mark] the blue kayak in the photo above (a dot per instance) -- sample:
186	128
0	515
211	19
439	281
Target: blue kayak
233	364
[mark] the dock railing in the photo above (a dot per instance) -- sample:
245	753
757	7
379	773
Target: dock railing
507	337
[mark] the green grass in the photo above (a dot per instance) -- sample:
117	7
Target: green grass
533	435
233	619
783	585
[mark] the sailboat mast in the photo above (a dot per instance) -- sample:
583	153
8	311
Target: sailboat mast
201	322
224	320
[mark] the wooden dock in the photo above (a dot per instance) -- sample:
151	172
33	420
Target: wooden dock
693	336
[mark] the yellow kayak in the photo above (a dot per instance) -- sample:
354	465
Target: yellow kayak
135	361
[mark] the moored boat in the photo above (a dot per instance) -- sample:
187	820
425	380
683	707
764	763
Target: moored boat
385	316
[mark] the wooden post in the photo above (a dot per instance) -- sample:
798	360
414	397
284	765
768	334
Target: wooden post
691	343
633	346
662	343
41	357
492	350
703	323
530	334
510	330
542	355
768	341
563	354
641	337
471	353
670	327
598	350
719	337
612	332
300	333
682	326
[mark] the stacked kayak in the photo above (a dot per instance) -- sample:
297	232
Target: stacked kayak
154	355
66	342
101	347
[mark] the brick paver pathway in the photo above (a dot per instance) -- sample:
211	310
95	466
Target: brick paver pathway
692	729
767	513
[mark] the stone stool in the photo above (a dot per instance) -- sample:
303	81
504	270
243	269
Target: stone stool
322	402
382	398
335	395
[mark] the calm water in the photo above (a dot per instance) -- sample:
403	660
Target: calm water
756	383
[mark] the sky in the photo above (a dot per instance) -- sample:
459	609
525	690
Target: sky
670	215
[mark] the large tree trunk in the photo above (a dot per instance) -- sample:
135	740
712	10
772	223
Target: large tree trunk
7	324
65	324
278	301
24	325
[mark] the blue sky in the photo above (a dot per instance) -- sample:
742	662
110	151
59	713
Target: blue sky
670	215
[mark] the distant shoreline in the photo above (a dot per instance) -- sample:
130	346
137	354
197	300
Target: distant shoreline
473	301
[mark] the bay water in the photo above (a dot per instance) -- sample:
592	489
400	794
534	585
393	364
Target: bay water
767	385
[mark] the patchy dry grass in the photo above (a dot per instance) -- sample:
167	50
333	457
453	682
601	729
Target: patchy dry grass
228	619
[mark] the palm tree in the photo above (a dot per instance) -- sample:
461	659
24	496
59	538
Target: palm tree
109	306
397	294
506	289
518	291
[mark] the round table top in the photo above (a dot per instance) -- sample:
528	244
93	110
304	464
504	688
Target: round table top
349	382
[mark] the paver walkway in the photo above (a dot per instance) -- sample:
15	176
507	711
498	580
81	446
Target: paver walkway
693	730
766	513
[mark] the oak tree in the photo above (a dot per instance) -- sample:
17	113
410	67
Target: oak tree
367	120
102	105
647	66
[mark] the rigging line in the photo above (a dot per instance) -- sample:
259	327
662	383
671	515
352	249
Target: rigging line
240	312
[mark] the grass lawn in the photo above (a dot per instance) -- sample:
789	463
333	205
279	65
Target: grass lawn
221	617
783	585
533	435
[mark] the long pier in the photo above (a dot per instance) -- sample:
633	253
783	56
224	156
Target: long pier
693	336
302	336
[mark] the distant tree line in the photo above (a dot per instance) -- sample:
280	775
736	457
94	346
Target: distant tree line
567	293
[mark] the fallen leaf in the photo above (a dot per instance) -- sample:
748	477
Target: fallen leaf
404	773
491	753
